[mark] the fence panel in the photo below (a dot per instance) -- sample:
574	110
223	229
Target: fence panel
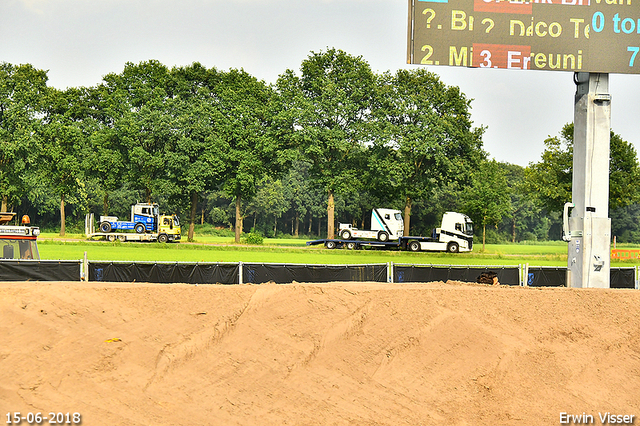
39	270
623	277
198	273
508	275
285	273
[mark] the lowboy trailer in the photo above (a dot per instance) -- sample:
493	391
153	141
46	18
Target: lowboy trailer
454	235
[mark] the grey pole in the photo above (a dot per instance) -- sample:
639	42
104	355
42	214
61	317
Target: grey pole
589	228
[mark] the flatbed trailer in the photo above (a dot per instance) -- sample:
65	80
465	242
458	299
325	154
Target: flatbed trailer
163	236
414	244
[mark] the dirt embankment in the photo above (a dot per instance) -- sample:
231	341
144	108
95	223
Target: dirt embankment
318	354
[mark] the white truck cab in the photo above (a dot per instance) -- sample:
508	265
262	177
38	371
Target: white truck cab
455	234
386	224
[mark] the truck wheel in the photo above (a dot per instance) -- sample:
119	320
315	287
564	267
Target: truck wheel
345	235
330	245
383	236
139	228
105	227
414	246
163	238
351	245
111	238
453	248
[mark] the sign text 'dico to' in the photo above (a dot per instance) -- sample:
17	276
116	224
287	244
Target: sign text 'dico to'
560	35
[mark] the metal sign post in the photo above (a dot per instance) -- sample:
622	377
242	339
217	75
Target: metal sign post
589	233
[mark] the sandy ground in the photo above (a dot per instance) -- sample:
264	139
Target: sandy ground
318	354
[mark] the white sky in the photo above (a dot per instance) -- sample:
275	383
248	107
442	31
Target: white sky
79	41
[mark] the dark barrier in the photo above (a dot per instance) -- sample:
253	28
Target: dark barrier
199	273
557	277
412	273
623	278
282	273
39	270
547	277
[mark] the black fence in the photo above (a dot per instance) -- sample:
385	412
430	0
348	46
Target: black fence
39	270
283	273
508	275
256	273
166	273
549	276
546	277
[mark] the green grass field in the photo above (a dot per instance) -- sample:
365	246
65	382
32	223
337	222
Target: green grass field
222	249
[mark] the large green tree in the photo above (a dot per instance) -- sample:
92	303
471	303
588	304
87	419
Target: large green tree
333	99
487	198
193	161
425	138
550	180
64	145
22	94
107	159
254	145
144	123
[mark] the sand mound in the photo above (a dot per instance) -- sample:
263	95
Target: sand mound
318	354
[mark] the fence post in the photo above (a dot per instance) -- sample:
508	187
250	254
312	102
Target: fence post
390	272
239	272
85	268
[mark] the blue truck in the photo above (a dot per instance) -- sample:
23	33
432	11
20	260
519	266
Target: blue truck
146	221
144	218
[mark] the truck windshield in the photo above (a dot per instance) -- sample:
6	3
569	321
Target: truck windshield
19	249
398	217
468	229
176	222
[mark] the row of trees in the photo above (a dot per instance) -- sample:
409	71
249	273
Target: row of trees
222	146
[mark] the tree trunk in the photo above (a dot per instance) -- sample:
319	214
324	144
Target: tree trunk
513	229
62	217
331	207
192	218
148	195
105	203
5	200
484	234
238	218
296	229
202	216
407	216
275	225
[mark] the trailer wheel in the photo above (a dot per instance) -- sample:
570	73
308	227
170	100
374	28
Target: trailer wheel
111	238
330	245
414	246
351	245
453	248
383	236
139	228
122	238
105	227
163	238
345	235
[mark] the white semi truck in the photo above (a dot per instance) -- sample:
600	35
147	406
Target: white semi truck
454	235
